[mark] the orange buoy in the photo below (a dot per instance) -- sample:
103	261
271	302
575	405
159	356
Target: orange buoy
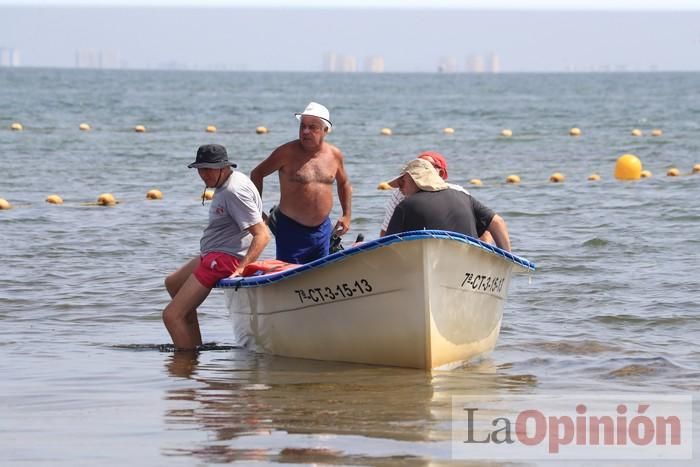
106	199
54	199
556	177
154	194
628	167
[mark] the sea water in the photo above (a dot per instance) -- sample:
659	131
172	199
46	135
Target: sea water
86	379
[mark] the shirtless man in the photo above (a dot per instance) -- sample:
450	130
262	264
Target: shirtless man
307	168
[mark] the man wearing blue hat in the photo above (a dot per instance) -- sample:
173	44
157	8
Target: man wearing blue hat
307	168
235	237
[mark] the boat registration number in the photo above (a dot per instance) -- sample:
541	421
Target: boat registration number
334	292
483	282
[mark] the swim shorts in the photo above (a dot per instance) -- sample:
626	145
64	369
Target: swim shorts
214	266
297	243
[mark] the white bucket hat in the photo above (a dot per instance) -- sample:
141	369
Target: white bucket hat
314	109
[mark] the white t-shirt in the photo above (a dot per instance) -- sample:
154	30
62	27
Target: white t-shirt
235	207
397	197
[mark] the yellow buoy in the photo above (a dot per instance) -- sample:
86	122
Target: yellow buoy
208	195
211	129
657	132
636	132
513	179
645	174
475	181
16	127
384	186
506	133
448	131
261	130
575	132
556	177
628	167
386	131
140	129
106	199
154	194
54	199
4	204
673	172
696	168
84	127
594	177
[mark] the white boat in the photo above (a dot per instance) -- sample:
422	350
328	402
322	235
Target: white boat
422	299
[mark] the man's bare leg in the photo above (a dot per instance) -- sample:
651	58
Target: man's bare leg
180	316
174	282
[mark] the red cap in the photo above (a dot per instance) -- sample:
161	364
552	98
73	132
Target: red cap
438	161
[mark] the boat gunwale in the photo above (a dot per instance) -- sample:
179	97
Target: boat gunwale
255	281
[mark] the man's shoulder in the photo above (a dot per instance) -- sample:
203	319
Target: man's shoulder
333	149
452	186
290	147
240	182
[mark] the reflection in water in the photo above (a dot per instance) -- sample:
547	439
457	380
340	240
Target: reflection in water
258	407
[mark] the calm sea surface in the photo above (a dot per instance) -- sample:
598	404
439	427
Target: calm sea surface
613	307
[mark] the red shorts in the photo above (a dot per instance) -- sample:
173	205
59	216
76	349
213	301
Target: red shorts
214	266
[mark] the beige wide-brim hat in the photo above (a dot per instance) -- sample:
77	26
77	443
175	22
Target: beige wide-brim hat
423	174
314	109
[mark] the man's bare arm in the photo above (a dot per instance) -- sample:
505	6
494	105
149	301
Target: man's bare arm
345	197
499	232
261	237
272	164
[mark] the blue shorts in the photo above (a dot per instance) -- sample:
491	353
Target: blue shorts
297	243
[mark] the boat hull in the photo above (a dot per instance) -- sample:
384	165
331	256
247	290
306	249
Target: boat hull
422	303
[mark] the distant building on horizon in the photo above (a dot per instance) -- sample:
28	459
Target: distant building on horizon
97	59
339	63
475	64
494	63
330	62
9	57
447	65
348	64
374	64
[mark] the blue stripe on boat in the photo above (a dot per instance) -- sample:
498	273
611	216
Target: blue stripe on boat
254	281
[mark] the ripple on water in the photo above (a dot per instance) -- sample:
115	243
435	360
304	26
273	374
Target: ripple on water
640	366
596	243
570	347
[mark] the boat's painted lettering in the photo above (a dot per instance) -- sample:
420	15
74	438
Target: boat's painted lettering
334	292
483	282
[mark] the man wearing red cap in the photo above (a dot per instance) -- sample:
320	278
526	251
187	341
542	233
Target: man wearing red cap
440	164
429	203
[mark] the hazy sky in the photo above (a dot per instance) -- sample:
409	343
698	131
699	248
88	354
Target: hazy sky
410	35
433	4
